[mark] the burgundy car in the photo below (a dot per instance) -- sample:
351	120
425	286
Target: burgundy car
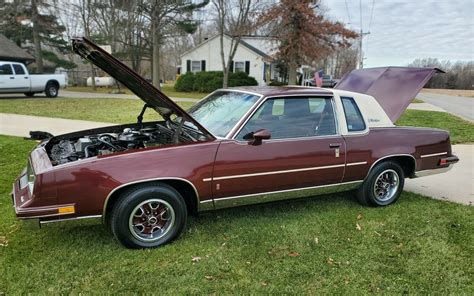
236	146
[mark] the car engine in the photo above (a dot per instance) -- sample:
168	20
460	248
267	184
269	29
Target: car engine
67	150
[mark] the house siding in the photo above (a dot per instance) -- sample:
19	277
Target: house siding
210	53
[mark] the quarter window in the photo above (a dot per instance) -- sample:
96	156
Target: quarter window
293	117
6	69
355	121
18	69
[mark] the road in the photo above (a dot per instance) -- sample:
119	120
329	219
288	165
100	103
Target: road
87	95
460	106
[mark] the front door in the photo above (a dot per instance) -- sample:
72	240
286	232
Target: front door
6	78
305	151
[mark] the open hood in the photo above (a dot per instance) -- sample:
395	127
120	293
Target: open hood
393	87
153	97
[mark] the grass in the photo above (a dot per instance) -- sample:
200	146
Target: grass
102	110
417	101
418	245
167	88
461	131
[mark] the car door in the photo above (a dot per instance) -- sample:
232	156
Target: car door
21	79
305	151
6	78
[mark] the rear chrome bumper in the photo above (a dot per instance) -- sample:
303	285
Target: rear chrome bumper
445	163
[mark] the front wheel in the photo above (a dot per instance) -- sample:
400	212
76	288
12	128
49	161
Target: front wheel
383	185
148	216
51	90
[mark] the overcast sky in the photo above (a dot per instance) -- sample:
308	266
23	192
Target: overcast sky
403	30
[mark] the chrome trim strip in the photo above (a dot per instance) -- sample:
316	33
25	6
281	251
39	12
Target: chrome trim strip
71	219
149	180
274	172
206	205
282	172
283	194
433	154
356	163
431	172
246	116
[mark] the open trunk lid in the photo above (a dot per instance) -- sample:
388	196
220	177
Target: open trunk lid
393	87
153	97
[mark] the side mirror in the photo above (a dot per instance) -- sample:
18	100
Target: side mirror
257	137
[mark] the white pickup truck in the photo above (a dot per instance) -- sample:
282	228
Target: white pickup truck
14	78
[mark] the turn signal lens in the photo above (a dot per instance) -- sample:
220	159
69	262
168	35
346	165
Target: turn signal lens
66	210
443	161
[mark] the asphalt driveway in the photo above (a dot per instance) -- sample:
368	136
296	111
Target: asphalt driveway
457	105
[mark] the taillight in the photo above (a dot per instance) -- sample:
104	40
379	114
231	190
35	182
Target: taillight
30	177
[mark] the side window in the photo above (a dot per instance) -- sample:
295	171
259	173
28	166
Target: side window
18	69
354	119
293	118
6	69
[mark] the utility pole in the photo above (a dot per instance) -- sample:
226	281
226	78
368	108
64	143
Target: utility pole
361	37
361	53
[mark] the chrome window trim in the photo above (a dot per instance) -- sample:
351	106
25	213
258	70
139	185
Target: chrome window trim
148	180
283	171
342	118
330	96
433	154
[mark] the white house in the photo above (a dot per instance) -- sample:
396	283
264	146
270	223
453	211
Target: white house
253	56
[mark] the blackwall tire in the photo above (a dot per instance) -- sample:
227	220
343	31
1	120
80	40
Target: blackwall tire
383	185
51	90
148	216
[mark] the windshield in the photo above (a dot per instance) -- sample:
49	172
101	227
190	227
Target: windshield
221	111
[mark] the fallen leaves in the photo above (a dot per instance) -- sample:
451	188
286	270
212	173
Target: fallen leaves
358	227
293	254
359	216
195	259
209	277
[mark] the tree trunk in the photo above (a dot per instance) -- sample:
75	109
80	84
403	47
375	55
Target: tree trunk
156	57
225	81
292	67
36	37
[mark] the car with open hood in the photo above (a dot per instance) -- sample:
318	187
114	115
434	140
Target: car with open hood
236	146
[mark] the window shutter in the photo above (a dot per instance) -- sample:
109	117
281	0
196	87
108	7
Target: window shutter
188	65
247	67
203	65
231	67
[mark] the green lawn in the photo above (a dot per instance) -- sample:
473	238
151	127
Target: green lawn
168	89
102	110
418	245
417	101
461	131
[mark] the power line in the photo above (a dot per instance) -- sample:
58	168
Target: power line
348	12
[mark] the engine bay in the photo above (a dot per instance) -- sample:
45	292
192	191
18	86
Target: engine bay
102	141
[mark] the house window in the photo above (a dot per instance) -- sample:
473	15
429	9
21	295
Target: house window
196	66
239	67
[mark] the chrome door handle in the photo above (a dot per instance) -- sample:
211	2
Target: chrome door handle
12	77
335	145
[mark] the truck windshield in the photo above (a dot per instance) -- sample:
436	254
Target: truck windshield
221	111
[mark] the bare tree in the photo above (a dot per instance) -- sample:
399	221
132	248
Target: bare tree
233	19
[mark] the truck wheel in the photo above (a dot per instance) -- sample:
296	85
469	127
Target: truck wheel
383	185
30	94
51	90
148	216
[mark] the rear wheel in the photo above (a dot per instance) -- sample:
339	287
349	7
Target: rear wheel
148	216
30	94
51	90
383	185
